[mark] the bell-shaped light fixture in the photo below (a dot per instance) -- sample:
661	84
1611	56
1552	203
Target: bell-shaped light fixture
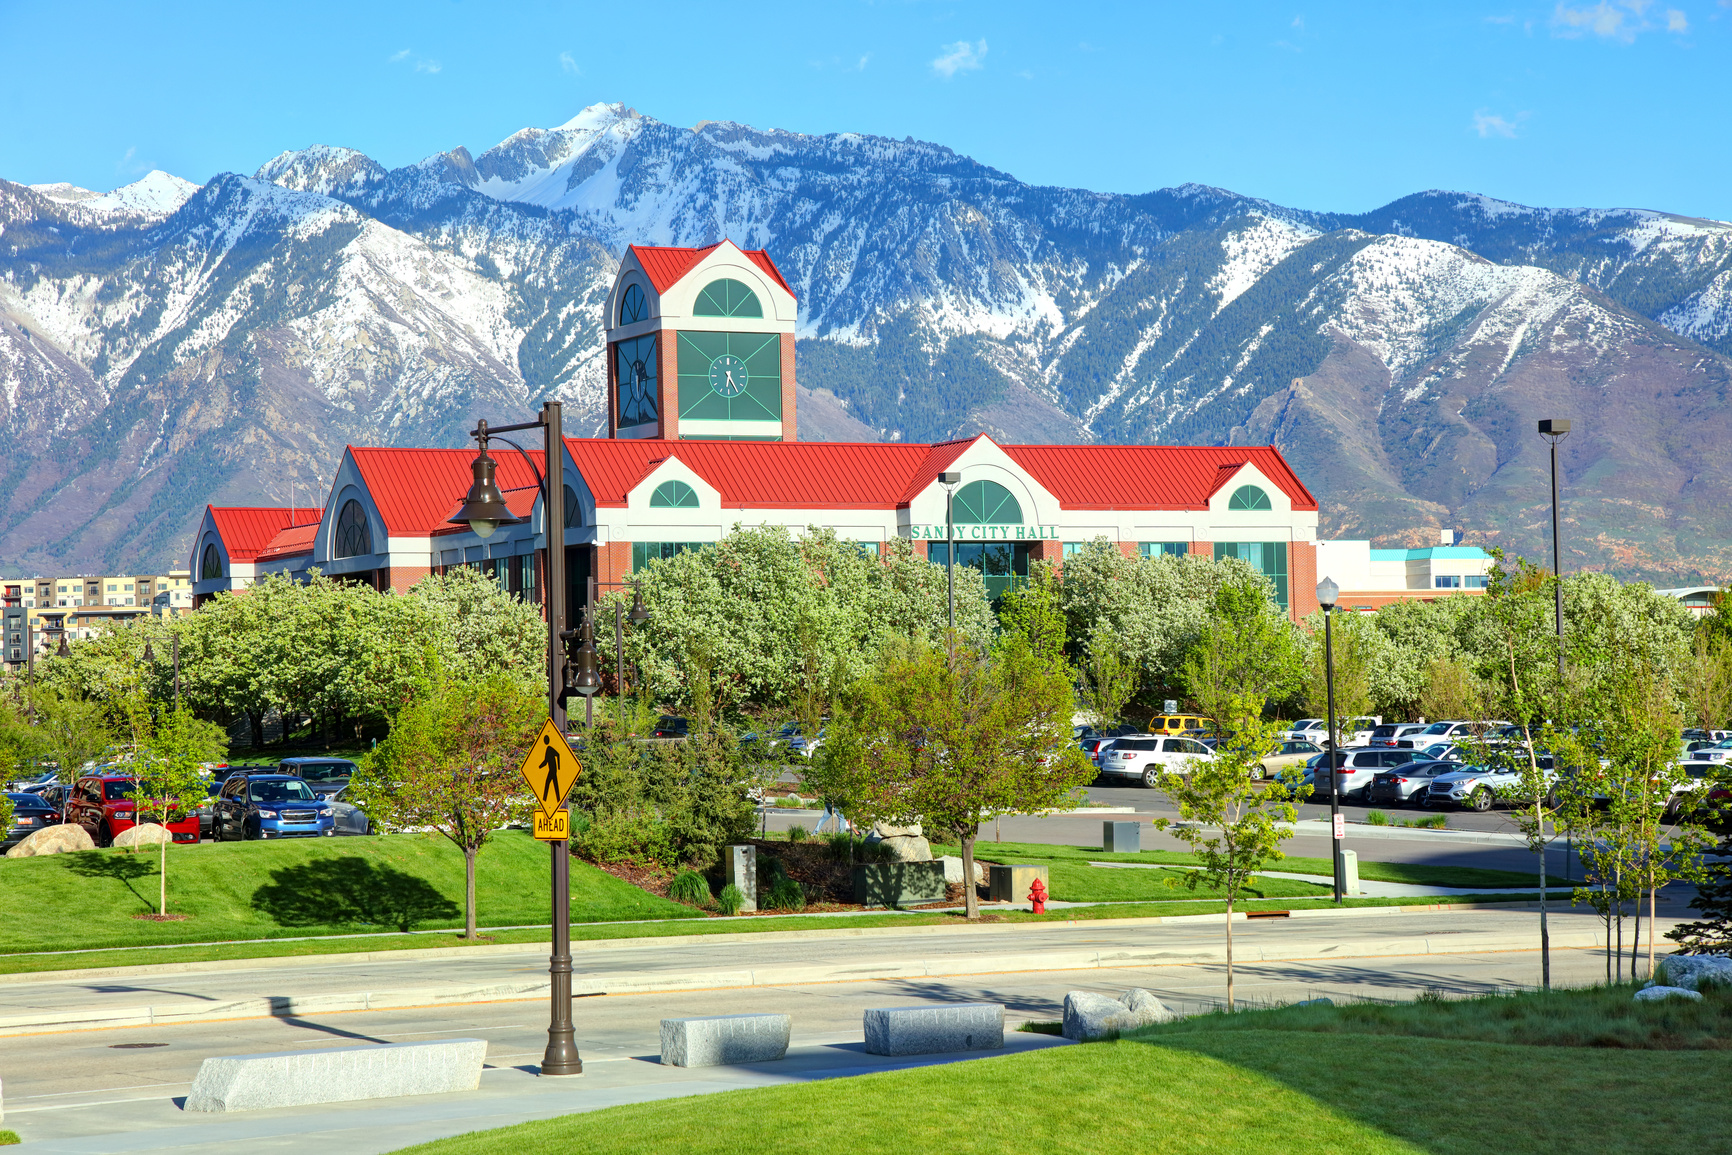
484	509
65	651
639	612
581	676
1328	593
149	655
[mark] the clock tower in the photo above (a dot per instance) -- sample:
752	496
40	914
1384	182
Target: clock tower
700	346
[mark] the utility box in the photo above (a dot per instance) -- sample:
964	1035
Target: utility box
1011	883
1350	871
897	884
1121	837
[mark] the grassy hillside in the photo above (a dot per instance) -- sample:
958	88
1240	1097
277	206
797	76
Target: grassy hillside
238	890
1256	1082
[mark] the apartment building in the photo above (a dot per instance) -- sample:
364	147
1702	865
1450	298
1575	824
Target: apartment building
39	611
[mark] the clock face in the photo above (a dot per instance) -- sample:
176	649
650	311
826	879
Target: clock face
639	377
728	375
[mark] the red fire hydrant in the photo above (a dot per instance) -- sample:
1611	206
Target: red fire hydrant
1037	895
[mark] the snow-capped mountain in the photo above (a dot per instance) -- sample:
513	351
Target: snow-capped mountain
165	345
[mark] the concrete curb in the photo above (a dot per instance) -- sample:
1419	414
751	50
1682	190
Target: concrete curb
1311	947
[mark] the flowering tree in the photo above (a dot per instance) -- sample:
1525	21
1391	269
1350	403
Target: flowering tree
166	762
450	763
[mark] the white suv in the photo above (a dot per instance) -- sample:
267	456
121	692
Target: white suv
1357	769
1149	758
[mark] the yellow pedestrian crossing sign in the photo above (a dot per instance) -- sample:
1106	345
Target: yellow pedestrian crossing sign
555	827
550	769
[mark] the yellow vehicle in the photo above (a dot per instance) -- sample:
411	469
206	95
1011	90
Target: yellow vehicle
1179	723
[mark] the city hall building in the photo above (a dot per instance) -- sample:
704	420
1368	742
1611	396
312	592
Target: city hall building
702	437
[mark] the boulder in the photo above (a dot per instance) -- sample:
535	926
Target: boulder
902	843
1317	1002
953	871
144	834
1690	970
53	840
1088	1016
1656	994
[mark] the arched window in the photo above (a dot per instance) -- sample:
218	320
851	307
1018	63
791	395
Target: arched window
211	566
354	539
635	371
986	503
573	514
674	495
632	306
727	298
1248	497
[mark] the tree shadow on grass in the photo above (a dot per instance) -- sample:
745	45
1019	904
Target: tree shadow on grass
350	891
122	868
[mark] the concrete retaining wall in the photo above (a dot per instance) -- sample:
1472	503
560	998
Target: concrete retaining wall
899	884
337	1075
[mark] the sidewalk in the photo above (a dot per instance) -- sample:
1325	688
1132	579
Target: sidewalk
289	987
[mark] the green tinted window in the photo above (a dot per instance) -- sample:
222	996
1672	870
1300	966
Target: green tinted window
644	552
986	503
674	495
1248	497
727	298
1268	558
1163	548
632	307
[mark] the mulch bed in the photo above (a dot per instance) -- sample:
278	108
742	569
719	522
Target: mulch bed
162	917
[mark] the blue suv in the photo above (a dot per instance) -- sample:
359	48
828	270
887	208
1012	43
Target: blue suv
269	806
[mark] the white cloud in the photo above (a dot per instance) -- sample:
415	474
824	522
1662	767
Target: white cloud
961	57
403	55
1489	124
1621	20
861	66
567	64
428	66
126	163
1299	23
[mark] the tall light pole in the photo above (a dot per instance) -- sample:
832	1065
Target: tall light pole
484	510
1327	595
950	481
1555	430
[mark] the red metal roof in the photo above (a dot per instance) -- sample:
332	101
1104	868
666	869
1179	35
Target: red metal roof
882	475
1150	476
247	529
415	490
759	474
294	540
665	265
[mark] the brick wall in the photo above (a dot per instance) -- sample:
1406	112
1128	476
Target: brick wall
1129	549
1202	549
667	385
612	392
401	577
790	426
1301	579
613	562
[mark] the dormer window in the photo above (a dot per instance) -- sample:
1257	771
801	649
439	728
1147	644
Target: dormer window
1248	499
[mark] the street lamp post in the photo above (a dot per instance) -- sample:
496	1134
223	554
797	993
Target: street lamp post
484	510
950	481
1327	595
1555	430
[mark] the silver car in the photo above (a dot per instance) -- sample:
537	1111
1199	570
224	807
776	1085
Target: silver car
346	817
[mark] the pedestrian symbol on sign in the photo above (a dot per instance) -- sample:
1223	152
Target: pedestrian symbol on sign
550	769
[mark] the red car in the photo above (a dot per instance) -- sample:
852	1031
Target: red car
103	805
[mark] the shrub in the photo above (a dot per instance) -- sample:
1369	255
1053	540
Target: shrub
731	899
784	894
626	836
690	888
1377	818
841	846
797	833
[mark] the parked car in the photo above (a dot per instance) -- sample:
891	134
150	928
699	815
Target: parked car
1391	732
1479	787
1148	758
270	806
1460	730
325	775
668	726
30	813
1406	784
207	811
1090	746
1309	729
53	793
1717	752
103	804
1356	770
1179	723
1287	754
1357	731
346	817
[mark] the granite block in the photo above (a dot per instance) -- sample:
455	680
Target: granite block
723	1039
337	1075
934	1030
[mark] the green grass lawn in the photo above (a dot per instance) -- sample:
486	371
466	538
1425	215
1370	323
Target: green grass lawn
1257	1082
1408	872
241	890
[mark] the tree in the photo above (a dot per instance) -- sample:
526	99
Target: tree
1108	681
1034	609
1711	934
951	738
1246	650
71	732
1450	691
1227	817
1706	681
451	763
1352	641
166	764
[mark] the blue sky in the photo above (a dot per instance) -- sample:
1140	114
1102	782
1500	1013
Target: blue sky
1337	106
